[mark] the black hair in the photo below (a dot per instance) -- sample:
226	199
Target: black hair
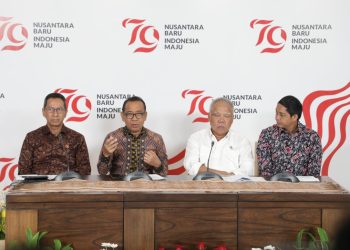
134	99
55	95
292	104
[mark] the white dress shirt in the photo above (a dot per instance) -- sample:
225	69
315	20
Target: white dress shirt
231	154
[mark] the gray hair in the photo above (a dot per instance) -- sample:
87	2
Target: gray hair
221	99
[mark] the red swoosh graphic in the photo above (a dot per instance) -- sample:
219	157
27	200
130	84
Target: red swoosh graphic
143	35
176	171
311	97
177	157
3	171
6	159
321	109
252	23
77	119
14	48
10	33
341	142
146	50
2	30
134	21
12	172
272	50
261	35
134	34
331	126
75	105
270	36
65	91
193	104
200	119
201	105
192	92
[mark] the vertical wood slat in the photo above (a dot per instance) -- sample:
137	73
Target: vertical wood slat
139	229
20	221
332	219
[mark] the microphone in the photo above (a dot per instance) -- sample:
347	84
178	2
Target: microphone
208	175
137	174
67	174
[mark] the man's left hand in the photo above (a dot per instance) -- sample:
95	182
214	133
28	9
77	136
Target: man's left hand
152	159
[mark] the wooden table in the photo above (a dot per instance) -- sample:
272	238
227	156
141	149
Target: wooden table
146	215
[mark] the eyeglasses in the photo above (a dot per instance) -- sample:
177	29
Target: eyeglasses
218	115
131	115
53	110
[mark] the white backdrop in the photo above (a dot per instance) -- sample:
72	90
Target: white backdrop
177	56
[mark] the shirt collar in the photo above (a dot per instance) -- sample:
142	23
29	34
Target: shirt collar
46	130
127	132
213	138
300	128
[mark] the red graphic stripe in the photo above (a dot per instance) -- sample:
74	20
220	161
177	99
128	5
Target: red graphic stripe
77	119
12	172
201	105
134	34
176	171
3	171
314	95
261	35
200	119
270	36
321	110
146	50
177	157
272	50
2	30
13	47
10	33
143	35
75	105
193	105
65	91
331	126
341	142
6	159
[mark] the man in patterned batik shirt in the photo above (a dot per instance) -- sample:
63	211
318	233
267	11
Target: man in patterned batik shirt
54	148
133	147
289	146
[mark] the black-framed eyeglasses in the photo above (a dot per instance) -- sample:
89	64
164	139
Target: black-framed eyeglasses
53	110
131	115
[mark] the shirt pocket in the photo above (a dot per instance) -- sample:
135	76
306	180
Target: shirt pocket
231	157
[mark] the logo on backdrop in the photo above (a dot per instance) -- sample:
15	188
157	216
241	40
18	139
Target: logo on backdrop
13	35
144	37
2	95
198	102
8	168
271	37
332	110
78	106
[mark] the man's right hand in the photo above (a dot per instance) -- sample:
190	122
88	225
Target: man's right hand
109	146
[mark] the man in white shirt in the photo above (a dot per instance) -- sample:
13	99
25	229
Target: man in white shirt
230	153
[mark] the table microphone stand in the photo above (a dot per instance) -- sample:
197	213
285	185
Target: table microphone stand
137	175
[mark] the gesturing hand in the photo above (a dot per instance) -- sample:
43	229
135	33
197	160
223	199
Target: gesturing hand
152	159
109	146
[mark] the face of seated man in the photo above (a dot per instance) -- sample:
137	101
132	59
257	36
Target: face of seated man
54	113
221	119
134	116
